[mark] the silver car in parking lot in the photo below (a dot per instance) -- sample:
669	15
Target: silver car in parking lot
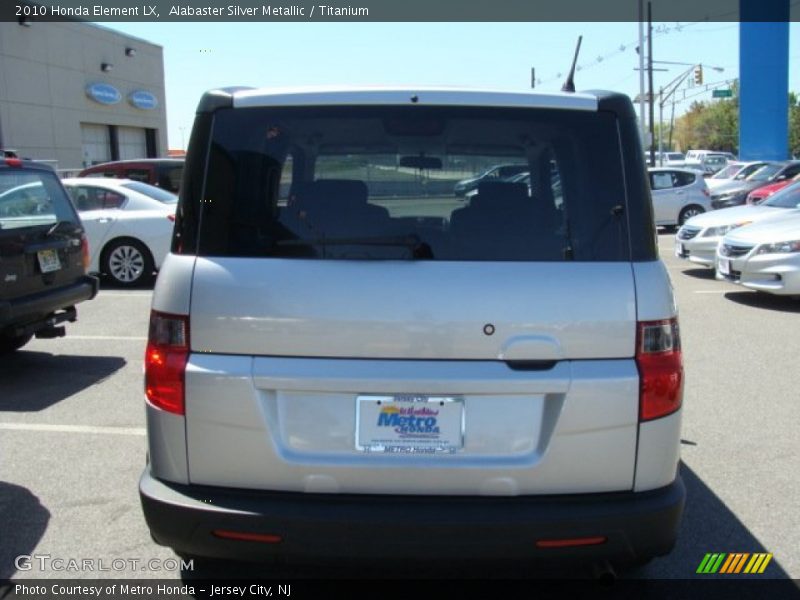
678	195
698	239
763	257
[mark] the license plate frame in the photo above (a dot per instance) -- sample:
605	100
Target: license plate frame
48	260
409	424
724	266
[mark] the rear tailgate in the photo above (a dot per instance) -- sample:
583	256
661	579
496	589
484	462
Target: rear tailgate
540	355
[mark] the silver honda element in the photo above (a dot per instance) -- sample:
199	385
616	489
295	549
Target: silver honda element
347	359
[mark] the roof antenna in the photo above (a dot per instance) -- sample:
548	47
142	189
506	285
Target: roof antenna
569	84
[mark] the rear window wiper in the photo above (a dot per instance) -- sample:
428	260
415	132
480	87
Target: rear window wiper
55	227
419	249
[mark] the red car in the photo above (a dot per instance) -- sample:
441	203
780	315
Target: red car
758	195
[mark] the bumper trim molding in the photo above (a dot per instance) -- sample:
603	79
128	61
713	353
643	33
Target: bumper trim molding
350	526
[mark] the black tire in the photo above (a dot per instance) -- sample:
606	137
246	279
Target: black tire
127	262
688	212
9	343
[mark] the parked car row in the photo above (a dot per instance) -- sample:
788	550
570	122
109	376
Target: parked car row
53	233
757	246
736	191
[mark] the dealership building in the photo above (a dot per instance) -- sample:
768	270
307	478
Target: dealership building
77	94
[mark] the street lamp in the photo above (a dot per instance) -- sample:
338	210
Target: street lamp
666	92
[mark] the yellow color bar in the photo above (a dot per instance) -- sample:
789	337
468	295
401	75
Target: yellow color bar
765	563
758	563
752	565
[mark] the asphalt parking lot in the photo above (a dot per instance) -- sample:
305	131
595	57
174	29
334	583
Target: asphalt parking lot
72	438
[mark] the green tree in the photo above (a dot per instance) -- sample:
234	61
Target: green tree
714	125
794	124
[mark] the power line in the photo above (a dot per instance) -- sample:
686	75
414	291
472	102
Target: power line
659	30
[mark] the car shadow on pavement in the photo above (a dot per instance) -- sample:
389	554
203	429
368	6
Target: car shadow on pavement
34	381
708	526
23	521
108	284
701	273
765	301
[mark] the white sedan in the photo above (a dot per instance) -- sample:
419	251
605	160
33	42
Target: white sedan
128	225
764	256
699	237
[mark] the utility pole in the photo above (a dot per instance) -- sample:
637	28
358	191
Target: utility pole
650	80
661	125
642	121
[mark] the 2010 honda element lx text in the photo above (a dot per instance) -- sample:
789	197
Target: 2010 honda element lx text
347	359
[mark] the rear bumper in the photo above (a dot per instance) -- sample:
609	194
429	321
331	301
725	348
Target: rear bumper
333	526
32	313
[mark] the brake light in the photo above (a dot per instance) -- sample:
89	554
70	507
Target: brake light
171	218
660	363
706	192
13	162
165	361
85	252
246	536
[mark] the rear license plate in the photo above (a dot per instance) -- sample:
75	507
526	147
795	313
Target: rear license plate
724	266
407	423
48	260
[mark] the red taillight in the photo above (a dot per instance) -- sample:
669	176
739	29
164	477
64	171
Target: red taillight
246	536
706	192
85	252
171	218
165	361
13	162
658	356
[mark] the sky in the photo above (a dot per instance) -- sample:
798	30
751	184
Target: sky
203	56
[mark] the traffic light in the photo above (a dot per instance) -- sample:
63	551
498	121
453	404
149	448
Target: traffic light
698	75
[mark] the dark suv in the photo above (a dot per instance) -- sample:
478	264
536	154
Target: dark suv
43	255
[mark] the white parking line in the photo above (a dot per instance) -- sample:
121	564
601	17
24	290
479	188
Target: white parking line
139	431
711	291
126	294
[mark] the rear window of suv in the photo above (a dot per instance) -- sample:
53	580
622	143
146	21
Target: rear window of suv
377	182
30	198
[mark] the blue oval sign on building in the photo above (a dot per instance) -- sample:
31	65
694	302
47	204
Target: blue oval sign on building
143	99
103	93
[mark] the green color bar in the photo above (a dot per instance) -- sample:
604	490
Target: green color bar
711	563
701	568
717	564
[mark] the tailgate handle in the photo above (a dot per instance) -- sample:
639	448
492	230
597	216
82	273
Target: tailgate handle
531	365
